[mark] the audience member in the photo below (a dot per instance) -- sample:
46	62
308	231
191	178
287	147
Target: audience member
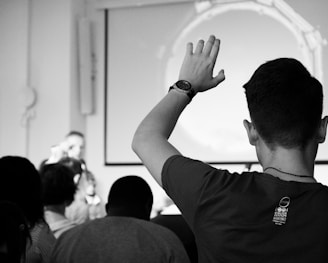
125	234
82	209
14	233
277	215
57	152
58	193
171	218
21	184
75	144
72	147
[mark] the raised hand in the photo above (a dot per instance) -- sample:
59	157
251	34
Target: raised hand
197	66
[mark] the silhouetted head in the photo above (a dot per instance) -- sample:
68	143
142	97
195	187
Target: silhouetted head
14	233
75	165
58	184
21	184
130	196
285	103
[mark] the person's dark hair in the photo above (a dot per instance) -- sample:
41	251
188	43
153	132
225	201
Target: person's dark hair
77	133
14	233
58	184
284	102
130	196
74	164
21	184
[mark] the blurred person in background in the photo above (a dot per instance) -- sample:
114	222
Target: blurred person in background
58	193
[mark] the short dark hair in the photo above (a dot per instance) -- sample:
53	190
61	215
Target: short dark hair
21	184
284	102
132	196
74	164
58	184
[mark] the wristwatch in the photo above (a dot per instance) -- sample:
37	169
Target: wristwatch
184	87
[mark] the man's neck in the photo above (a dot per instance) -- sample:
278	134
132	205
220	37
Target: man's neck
54	213
290	164
59	209
288	176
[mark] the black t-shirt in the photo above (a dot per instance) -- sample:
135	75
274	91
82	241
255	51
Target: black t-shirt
249	217
179	226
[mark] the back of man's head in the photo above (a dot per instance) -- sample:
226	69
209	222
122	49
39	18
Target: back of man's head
284	102
75	165
130	196
58	185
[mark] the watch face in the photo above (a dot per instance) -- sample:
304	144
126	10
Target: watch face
184	85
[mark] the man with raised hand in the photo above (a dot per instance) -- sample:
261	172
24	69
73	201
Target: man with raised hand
278	215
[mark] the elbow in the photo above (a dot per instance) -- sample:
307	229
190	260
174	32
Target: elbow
136	142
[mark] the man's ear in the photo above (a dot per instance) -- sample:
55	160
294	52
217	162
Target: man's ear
251	132
322	130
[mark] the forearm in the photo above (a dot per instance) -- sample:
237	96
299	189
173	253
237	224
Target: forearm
164	116
150	141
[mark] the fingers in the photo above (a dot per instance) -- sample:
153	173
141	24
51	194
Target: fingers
209	45
215	49
199	47
198	65
189	48
218	78
211	49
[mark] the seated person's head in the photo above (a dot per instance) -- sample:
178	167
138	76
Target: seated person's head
75	165
21	184
14	233
82	177
130	196
58	185
285	105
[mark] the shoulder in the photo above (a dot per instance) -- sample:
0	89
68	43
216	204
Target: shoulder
158	232
162	238
123	228
43	242
41	234
179	169
178	165
182	160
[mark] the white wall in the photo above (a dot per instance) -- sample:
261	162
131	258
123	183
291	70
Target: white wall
106	175
38	50
13	45
53	74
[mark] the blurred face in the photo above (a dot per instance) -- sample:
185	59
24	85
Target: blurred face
75	146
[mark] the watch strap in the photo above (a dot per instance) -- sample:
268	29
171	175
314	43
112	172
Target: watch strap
190	93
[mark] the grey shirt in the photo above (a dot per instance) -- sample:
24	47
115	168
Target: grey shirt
119	239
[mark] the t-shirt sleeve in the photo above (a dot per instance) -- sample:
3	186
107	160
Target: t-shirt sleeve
186	181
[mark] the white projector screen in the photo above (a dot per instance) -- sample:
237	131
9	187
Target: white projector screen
144	49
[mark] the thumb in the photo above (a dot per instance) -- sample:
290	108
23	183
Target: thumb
218	78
